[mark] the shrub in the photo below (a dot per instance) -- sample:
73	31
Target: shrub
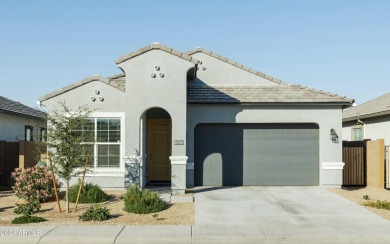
379	204
27	208
366	197
33	183
95	212
25	219
142	201
90	193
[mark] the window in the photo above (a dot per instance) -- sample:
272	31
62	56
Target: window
104	150
357	133
28	133
42	134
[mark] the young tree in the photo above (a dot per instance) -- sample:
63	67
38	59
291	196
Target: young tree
69	132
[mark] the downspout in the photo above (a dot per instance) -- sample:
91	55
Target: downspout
364	128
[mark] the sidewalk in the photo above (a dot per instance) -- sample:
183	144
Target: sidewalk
358	233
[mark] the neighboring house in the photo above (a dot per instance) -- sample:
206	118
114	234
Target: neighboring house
370	120
225	124
19	122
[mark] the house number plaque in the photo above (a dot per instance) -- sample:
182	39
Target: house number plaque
178	142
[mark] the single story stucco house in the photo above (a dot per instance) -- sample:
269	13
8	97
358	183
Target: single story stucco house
370	120
19	122
200	119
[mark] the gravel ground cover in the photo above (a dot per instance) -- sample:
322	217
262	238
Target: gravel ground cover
356	194
174	214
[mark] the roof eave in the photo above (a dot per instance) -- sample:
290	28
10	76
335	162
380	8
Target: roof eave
274	103
366	116
23	114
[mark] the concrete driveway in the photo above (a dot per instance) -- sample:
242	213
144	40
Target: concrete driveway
305	213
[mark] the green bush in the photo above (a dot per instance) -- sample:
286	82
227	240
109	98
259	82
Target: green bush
95	212
90	193
27	208
379	204
142	201
25	219
366	197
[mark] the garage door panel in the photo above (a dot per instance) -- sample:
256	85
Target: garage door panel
257	154
285	178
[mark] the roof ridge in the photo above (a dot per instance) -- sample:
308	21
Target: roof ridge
156	46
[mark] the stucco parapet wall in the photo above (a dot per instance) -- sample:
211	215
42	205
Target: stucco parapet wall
260	74
108	81
156	46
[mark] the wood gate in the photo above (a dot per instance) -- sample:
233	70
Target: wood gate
354	157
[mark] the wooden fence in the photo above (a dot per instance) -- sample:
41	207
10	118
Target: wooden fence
15	155
354	157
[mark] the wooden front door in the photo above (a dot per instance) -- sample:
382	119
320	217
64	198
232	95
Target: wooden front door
159	149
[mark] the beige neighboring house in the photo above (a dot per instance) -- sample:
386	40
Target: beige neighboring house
370	120
19	122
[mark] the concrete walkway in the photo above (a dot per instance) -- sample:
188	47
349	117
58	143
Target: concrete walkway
288	233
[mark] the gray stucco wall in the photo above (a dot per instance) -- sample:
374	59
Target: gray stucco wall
374	128
113	102
12	126
144	92
213	71
325	117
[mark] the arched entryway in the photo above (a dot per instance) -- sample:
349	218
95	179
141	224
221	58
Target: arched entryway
158	138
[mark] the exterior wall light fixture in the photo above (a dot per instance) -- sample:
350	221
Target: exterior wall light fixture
333	136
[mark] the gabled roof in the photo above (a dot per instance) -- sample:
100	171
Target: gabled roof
262	95
284	93
236	64
13	107
156	46
373	108
116	81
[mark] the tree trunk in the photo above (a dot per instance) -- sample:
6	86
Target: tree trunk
67	196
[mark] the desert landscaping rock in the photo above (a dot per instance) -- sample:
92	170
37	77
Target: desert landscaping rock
180	213
355	194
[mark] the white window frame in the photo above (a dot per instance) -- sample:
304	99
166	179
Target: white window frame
108	171
353	128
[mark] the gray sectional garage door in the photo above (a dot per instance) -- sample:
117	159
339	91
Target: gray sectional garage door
256	154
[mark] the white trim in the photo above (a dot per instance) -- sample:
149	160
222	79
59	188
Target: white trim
333	165
121	169
178	159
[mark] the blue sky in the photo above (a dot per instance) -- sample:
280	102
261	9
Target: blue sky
337	46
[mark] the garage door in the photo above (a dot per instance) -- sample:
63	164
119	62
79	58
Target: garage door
256	154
